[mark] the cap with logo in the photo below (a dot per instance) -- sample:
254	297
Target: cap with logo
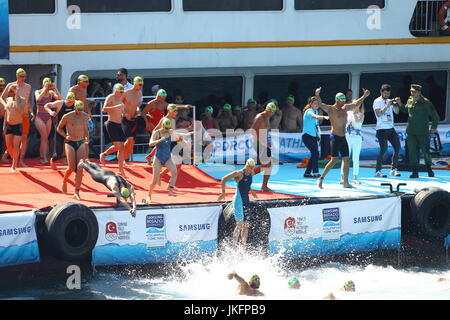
119	87
250	162
71	97
172	107
209	109
416	87
227	106
79	104
46	80
82	78
20	72
138	80
271	106
340	96
254	277
161	93
167	123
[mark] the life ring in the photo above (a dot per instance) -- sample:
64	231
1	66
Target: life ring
430	213
444	17
71	231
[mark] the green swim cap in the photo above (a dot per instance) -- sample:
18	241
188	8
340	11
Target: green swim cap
167	123
271	107
293	281
254	277
250	162
172	107
209	109
349	284
251	100
227	106
237	108
274	101
162	93
125	192
340	96
290	97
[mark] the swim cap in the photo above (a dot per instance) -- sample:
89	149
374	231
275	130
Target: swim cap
162	93
251	100
172	107
250	162
119	87
82	78
274	101
254	277
2	81
167	123
227	106
340	96
349	285
290	97
71	97
125	192
79	104
237	108
209	109
20	71
46	80
138	80
271	107
292	282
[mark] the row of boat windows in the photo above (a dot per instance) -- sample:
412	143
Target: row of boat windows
89	6
218	90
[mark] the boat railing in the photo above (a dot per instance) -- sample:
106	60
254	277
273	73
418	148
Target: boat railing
424	22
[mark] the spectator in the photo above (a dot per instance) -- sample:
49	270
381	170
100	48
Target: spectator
106	87
249	114
348	95
275	120
225	118
182	113
122	78
237	113
155	89
208	120
292	117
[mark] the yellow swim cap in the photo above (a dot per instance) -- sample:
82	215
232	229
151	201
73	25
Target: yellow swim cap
71	97
167	123
138	80
119	87
172	107
125	192
271	107
79	104
250	162
46	80
82	78
20	71
2	81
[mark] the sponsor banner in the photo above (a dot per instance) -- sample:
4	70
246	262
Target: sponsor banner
18	242
155	235
290	148
4	30
335	228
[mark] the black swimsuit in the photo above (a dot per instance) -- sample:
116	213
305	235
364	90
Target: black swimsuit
15	129
75	144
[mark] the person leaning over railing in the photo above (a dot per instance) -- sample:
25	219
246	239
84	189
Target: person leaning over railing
420	110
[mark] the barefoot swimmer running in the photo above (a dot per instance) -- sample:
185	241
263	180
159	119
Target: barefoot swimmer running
120	187
241	201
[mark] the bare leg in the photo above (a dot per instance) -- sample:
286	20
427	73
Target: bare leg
328	167
237	232
346	164
71	163
23	149
120	156
80	156
155	178
129	145
110	150
173	179
244	233
267	171
15	152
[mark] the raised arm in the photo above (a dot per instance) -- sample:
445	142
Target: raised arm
238	278
323	106
357	102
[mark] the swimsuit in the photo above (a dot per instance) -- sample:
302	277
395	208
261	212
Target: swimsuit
102	176
41	112
129	127
163	150
115	132
241	200
338	145
14	129
75	144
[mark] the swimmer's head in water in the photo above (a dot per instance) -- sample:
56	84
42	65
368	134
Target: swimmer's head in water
82	78
340	97
79	105
209	109
172	108
125	192
119	87
254	281
21	72
349	286
226	106
271	107
161	93
46	80
138	80
250	163
294	283
71	97
167	123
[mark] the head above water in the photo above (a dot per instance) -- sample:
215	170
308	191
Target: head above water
254	281
294	283
349	286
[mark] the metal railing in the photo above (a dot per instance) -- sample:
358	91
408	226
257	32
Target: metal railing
424	22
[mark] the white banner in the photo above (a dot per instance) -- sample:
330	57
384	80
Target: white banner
18	242
335	228
155	235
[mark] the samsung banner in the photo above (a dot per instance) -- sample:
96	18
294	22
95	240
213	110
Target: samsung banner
4	30
335	228
156	235
18	242
290	148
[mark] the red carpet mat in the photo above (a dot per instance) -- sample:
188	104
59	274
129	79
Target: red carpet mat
38	186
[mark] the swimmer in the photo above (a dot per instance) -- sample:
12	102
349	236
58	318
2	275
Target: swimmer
154	110
241	201
250	288
294	283
161	140
121	188
75	143
132	101
349	286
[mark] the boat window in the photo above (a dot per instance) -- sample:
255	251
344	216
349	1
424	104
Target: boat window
430	19
333	4
31	6
434	84
232	5
300	86
98	6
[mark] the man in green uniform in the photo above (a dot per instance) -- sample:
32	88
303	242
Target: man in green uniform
419	110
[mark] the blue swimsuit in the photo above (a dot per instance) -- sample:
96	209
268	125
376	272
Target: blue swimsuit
163	150
241	200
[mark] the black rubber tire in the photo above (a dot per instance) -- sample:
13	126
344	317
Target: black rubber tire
430	213
71	231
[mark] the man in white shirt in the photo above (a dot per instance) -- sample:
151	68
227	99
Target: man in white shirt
384	109
122	78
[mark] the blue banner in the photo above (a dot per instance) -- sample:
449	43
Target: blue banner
447	241
4	30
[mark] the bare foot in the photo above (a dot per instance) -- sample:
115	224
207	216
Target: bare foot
168	187
347	185
77	195
147	199
171	193
319	183
64	187
102	158
22	164
5	158
122	173
13	169
266	189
